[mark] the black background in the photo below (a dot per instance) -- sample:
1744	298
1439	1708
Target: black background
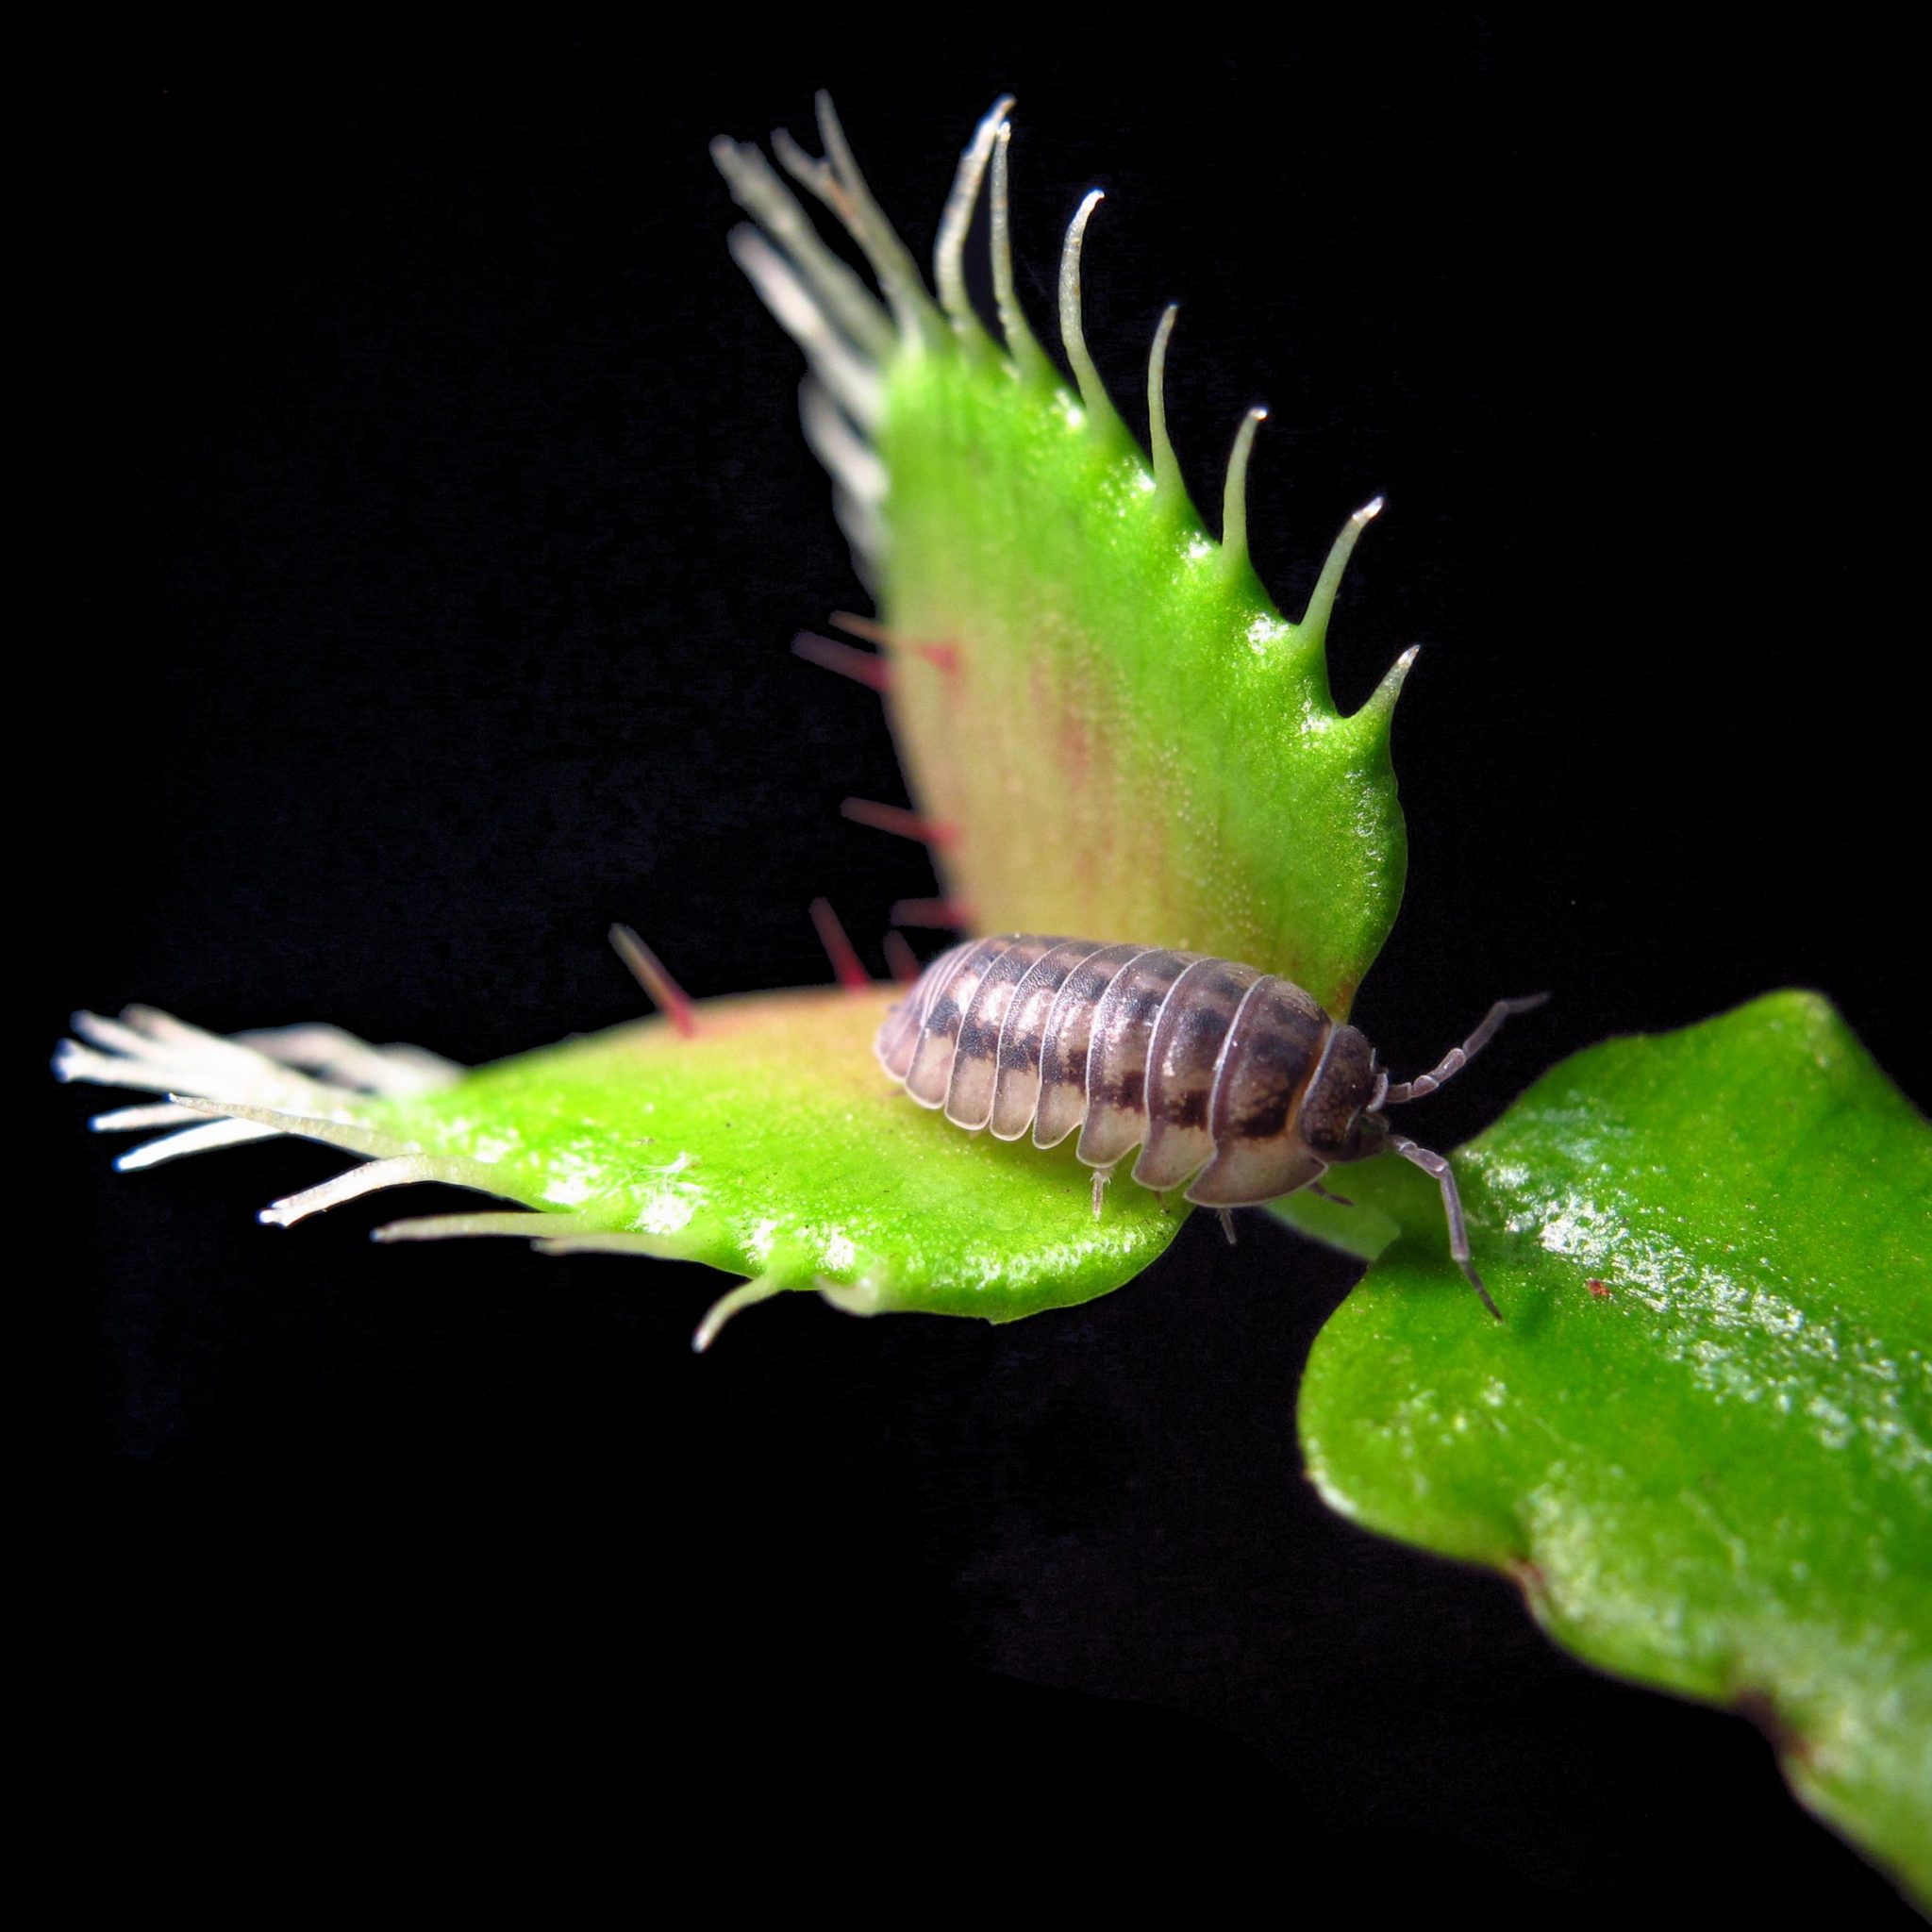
430	522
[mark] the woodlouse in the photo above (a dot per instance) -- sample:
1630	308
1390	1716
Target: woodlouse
1234	1084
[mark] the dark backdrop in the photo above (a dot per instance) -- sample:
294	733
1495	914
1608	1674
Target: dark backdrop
430	521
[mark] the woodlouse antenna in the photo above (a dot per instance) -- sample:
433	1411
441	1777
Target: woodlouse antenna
1435	1165
897	819
659	988
1458	1058
846	966
947	913
828	654
901	959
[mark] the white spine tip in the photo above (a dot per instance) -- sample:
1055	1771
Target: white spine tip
1072	331
1369	510
759	1289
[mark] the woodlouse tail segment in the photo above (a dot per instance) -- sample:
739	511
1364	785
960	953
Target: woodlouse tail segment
898	820
1444	1175
1453	1063
848	660
972	1084
847	969
659	988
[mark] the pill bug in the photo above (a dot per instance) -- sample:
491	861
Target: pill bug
1235	1085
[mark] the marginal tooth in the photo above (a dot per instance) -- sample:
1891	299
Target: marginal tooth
839	183
851	1297
851	306
352	1139
852	380
404	1170
1379	707
134	1120
1167	469
1314	624
1073	333
204	1139
865	530
522	1224
1234	498
1022	346
949	250
339	1057
845	455
761	1288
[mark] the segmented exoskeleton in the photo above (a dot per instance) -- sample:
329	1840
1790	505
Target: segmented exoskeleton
1234	1085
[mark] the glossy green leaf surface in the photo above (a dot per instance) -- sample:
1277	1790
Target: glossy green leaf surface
1702	1440
771	1146
768	1144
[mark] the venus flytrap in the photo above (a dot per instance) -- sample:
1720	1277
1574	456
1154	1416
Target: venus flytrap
1702	1440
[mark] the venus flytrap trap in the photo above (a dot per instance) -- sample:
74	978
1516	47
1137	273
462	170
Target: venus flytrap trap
1108	728
1703	1440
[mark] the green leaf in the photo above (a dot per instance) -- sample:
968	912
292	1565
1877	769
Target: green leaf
1701	1442
1111	729
768	1144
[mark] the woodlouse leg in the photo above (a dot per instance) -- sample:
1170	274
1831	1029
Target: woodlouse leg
1101	1176
1329	1194
659	988
1458	1058
1226	1215
1451	1208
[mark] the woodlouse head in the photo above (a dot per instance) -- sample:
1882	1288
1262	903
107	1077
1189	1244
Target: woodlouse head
1338	1113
